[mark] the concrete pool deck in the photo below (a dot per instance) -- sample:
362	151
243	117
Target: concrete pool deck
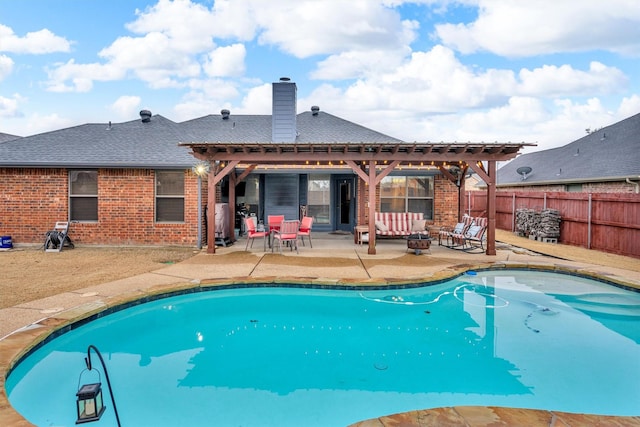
334	260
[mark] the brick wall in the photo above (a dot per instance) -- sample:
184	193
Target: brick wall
34	199
445	202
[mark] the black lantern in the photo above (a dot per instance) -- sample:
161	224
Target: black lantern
89	403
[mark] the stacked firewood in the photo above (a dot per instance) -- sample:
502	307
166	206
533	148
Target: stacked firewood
549	225
527	220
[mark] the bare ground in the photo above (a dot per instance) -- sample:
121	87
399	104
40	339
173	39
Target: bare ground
28	274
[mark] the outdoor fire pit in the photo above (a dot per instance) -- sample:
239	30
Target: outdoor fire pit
418	243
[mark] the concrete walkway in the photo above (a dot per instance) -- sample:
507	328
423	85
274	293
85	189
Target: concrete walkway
333	260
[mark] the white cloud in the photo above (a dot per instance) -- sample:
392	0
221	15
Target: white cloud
9	107
38	42
521	28
81	76
552	80
187	25
6	66
428	82
629	106
305	28
37	123
206	97
226	61
126	106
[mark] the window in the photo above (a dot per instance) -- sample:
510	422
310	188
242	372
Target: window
407	194
169	196
318	198
83	195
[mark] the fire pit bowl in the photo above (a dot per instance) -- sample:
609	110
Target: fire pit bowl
418	243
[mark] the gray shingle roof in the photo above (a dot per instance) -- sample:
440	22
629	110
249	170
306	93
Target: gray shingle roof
130	145
610	153
154	144
4	137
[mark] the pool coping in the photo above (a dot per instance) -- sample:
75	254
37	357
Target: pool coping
20	344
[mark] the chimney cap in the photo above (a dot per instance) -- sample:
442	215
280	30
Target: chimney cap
315	109
285	79
225	114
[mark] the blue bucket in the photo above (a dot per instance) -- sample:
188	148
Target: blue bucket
5	242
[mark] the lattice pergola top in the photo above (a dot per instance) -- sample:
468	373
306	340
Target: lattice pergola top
405	152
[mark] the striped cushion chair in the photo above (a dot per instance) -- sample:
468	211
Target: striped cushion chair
476	235
473	237
450	237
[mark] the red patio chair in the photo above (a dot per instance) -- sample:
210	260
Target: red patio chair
288	233
305	229
252	233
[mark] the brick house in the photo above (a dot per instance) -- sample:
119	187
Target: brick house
135	182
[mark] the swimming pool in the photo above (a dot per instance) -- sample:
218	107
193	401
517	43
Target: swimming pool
275	356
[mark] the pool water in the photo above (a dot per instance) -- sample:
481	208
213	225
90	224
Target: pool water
315	357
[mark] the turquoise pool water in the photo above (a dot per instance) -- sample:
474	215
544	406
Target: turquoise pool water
316	357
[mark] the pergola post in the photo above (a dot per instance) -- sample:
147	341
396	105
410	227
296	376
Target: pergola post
491	209
211	211
372	207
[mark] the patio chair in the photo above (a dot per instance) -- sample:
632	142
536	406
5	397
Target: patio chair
305	229
288	233
273	224
445	235
252	233
473	238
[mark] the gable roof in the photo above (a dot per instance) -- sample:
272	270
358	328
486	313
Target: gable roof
608	154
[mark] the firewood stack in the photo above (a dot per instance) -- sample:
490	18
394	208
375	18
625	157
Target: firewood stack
526	221
549	225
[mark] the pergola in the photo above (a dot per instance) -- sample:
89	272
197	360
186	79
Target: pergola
370	161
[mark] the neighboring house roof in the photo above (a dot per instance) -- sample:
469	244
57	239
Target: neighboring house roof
608	154
4	137
136	144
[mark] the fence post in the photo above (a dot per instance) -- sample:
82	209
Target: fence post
589	223
513	213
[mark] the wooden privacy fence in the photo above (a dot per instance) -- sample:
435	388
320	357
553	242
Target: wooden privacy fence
608	222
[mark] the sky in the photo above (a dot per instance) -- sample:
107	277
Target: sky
538	71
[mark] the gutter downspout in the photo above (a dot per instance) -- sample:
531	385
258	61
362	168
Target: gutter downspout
637	184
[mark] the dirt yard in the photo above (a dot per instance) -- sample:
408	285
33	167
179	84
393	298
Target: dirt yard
28	274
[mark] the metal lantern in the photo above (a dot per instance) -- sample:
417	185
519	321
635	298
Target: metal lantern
89	403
